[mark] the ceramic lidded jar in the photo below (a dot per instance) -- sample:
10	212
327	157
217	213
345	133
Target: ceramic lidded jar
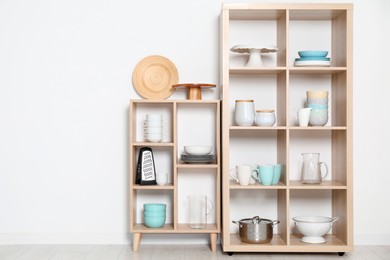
244	113
265	117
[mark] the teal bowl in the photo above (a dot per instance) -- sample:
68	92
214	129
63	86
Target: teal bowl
305	54
155	207
153	214
154	222
317	106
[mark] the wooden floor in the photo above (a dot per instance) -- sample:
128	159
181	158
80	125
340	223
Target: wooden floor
160	252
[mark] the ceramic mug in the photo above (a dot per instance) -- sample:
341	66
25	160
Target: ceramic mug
266	174
242	174
277	174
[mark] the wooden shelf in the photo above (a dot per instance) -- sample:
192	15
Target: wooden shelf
236	186
153	144
324	185
282	87
316	70
153	187
181	228
264	70
182	165
172	109
257	128
141	228
237	245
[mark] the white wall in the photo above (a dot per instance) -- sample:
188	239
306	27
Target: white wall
65	82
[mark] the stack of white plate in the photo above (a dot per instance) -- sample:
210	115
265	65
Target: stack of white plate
312	58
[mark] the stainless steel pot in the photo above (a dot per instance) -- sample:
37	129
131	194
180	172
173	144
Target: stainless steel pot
256	230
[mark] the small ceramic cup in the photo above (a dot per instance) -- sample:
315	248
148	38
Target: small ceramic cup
242	174
162	178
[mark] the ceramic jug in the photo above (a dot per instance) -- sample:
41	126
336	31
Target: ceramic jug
199	207
311	168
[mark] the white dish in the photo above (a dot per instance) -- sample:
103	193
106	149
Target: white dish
313	228
312	63
198	150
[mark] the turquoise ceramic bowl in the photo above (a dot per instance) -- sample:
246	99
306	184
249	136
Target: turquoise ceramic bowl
317	106
155	207
154	214
154	222
304	54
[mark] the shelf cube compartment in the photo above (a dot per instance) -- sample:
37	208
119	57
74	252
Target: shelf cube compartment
191	182
327	203
332	81
163	161
141	197
139	109
324	30
199	126
268	204
258	147
251	27
267	90
331	144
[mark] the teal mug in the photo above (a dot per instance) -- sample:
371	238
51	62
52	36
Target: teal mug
277	174
266	174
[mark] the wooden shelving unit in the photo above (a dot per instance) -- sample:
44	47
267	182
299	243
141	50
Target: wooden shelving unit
281	86
176	168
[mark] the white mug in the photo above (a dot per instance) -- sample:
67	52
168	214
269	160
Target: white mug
162	178
303	116
242	174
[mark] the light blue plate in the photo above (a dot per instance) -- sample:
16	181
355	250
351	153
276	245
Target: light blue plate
304	54
312	58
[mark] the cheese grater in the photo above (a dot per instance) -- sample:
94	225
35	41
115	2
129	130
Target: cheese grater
146	171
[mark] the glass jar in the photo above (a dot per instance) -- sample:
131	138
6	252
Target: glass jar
265	117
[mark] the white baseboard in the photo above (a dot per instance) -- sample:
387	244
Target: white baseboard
126	238
99	238
372	239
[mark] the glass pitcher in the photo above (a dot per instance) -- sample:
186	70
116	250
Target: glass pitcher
311	168
199	206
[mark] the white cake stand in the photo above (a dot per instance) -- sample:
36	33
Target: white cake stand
254	53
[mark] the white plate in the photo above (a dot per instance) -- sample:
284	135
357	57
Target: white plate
309	63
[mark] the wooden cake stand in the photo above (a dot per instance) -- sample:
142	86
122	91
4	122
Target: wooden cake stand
194	91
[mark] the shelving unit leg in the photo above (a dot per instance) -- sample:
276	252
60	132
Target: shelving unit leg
136	241
213	241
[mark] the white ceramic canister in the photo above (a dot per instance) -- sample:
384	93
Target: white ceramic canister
265	117
244	113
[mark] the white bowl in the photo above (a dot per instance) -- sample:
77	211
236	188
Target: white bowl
198	150
313	228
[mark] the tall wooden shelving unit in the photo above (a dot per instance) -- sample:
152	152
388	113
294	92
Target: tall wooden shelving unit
170	108
240	22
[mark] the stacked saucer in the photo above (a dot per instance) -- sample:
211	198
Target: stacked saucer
197	154
312	58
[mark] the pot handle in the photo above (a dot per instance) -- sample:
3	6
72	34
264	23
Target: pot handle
238	223
275	222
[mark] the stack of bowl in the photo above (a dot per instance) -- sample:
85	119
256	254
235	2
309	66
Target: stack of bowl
312	58
318	102
154	215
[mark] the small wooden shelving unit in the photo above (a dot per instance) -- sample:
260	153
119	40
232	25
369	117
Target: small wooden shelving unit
176	168
281	86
